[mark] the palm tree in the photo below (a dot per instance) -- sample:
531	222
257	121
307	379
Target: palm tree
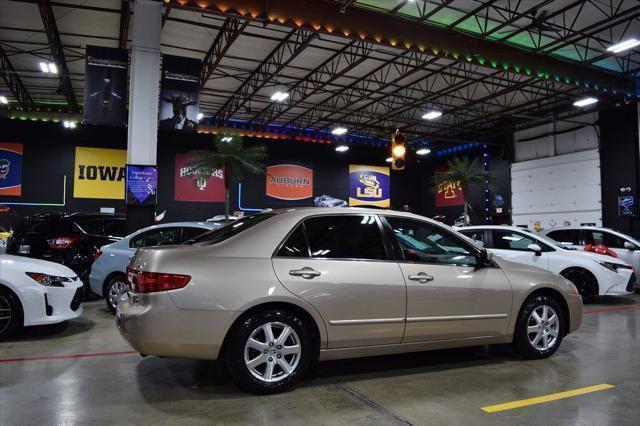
233	158
461	173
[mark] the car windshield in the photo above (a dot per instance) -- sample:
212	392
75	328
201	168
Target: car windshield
218	235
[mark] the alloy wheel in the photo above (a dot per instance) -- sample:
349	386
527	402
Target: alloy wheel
543	328
272	352
116	290
5	313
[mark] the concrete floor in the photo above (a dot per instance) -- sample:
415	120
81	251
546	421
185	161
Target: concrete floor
442	387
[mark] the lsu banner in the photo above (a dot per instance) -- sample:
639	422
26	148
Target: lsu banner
180	93
189	187
99	173
105	90
11	169
369	186
289	182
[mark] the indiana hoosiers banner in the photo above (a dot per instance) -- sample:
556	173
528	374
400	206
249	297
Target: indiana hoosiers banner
191	187
180	93
289	182
10	169
99	173
105	93
369	186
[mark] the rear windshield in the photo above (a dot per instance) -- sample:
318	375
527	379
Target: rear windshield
46	226
218	235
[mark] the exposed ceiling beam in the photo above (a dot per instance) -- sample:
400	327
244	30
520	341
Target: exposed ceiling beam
125	17
405	34
13	81
57	52
229	32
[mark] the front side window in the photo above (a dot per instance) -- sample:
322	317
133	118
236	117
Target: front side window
508	240
566	236
345	237
424	242
155	237
604	238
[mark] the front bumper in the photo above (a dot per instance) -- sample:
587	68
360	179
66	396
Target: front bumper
619	283
153	325
50	305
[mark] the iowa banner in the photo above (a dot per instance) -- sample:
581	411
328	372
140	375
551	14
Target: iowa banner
369	186
99	173
10	169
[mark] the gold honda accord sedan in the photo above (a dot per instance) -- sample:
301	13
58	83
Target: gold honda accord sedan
270	294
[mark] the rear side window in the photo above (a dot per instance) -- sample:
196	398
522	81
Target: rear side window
345	237
190	233
295	245
234	228
90	225
604	238
566	236
155	237
114	227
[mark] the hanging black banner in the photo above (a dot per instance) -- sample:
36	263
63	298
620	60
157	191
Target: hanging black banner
180	93
105	92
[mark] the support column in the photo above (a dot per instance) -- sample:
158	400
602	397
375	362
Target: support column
144	89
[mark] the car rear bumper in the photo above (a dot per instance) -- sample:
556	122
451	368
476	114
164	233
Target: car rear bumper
574	303
153	325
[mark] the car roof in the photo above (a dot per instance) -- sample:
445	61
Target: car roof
75	215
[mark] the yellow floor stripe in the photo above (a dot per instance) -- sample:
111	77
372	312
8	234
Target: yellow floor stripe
546	398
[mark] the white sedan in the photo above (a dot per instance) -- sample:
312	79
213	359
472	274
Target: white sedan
36	292
593	274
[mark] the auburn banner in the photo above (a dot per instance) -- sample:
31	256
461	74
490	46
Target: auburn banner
369	186
289	182
11	169
99	173
191	187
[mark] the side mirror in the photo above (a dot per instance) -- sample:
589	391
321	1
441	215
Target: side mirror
630	246
535	248
486	258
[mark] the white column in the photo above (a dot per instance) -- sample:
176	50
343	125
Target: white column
144	83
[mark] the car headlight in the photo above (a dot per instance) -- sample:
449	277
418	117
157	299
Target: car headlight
48	280
615	267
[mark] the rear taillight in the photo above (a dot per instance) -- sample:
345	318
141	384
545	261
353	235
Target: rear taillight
97	255
150	282
61	243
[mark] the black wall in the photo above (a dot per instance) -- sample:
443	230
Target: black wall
620	164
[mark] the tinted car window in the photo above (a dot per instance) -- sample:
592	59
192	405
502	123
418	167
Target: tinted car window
234	228
476	235
423	242
507	240
567	236
604	238
113	227
345	237
90	225
295	245
189	233
155	237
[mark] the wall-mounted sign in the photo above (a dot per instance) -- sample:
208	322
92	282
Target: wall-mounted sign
448	195
180	93
105	93
369	186
99	173
142	185
626	206
11	169
191	187
289	182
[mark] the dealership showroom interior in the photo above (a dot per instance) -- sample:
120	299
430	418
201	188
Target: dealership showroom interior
320	212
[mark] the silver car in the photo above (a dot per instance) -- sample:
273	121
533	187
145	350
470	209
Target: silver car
270	294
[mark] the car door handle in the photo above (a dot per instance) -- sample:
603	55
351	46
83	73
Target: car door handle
423	277
305	272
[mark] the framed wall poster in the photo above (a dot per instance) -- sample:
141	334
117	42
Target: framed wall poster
11	169
141	185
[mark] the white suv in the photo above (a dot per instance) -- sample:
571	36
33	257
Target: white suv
593	274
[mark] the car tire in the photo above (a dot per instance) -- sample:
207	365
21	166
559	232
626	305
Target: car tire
539	328
11	318
263	364
585	282
113	290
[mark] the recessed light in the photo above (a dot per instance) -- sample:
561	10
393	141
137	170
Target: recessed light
3	100
339	131
432	115
423	151
585	101
624	45
279	96
342	148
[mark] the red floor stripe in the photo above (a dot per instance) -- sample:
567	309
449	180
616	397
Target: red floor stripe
44	358
619	308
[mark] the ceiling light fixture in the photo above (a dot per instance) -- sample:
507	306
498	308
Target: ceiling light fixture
44	67
581	103
342	148
3	100
226	139
69	124
624	45
279	96
53	69
48	68
423	151
389	160
432	115
200	116
339	131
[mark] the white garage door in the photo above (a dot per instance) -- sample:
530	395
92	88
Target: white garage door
555	190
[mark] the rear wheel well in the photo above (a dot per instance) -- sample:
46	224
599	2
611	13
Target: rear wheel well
308	320
8	290
557	296
108	278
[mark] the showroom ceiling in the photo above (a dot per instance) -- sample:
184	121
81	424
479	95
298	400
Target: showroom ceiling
368	65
